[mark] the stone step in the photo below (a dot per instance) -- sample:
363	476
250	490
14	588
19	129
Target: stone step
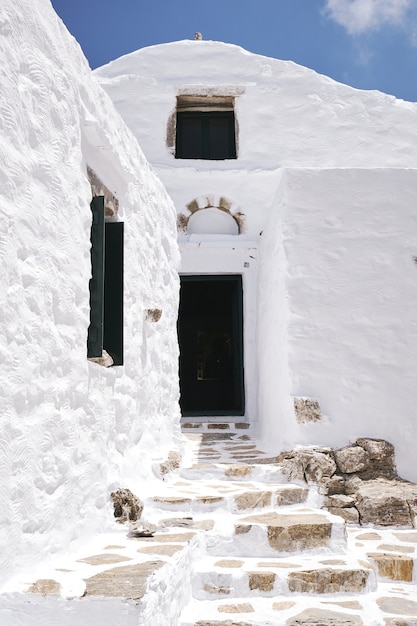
239	578
232	497
277	611
393	607
260	472
279	533
203	426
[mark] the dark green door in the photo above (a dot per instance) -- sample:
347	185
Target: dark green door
210	331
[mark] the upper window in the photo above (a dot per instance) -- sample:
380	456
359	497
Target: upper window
205	128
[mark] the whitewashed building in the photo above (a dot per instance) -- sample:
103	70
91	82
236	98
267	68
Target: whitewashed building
296	203
71	430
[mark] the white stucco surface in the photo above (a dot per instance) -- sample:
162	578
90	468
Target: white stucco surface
288	115
326	200
338	301
71	431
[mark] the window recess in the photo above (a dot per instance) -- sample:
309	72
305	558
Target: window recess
205	128
105	332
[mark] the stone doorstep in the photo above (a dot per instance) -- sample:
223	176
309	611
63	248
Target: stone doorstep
238	426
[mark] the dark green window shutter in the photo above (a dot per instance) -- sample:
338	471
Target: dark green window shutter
96	328
113	292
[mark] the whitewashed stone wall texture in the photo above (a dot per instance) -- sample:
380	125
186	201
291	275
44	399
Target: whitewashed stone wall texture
70	430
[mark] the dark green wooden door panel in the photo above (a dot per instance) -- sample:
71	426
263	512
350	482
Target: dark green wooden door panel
96	327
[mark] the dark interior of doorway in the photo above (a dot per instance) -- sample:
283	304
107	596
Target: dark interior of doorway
210	332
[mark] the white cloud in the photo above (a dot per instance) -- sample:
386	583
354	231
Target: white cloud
359	16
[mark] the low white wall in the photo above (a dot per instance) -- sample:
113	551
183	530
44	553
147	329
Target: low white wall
345	284
72	430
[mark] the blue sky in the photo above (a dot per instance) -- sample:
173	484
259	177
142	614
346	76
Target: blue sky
369	44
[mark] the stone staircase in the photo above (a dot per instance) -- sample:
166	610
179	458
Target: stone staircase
233	544
273	556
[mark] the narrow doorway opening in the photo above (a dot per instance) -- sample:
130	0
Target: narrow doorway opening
210	332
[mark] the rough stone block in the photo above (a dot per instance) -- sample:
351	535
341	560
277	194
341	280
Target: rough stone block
307	410
340	501
350	514
307	464
127	506
386	503
394	566
236	608
291	495
264	581
328	580
46	587
237	471
291	533
352	459
322	617
252	499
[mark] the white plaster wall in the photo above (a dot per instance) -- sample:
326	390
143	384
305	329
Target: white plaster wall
275	426
345	280
287	115
70	430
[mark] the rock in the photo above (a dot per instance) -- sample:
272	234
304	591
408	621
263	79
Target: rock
399	606
222	623
386	502
340	501
322	617
328	580
310	531
264	581
291	494
237	471
352	484
381	454
127	506
282	606
352	459
229	563
290	532
245	607
394	566
334	485
172	463
142	530
216	589
252	499
307	410
46	587
378	449
349	514
311	465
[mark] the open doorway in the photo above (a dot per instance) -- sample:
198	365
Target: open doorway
210	332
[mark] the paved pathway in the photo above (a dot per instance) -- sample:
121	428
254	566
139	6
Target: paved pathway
235	545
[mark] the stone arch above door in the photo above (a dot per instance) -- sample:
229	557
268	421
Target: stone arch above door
211	215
